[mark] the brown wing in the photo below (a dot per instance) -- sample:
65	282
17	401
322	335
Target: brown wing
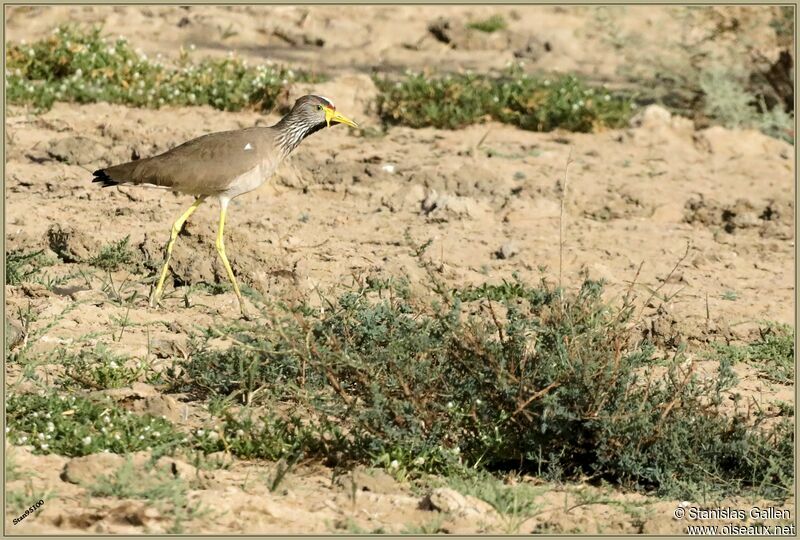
203	166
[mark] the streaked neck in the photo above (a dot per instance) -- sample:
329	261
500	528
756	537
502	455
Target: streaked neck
292	129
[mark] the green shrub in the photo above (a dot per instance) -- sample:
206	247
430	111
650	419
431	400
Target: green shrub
83	66
538	104
494	377
77	426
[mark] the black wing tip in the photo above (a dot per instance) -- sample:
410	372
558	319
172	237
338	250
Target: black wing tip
102	177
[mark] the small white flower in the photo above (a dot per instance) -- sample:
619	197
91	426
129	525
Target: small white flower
449	404
419	461
113	365
213	435
478	402
87	440
45	446
156	434
51	426
200	432
116	436
394	464
40	436
106	420
141	437
240	433
192	47
35	414
23	439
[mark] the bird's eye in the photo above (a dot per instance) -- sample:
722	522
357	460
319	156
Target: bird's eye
319	107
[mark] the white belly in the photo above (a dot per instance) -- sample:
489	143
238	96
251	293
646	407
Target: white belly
249	181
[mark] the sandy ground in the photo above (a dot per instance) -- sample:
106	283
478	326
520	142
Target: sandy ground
709	211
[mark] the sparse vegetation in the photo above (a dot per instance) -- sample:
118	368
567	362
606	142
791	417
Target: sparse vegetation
77	426
713	71
169	495
83	66
560	407
113	256
489	25
772	353
501	377
533	103
22	266
98	369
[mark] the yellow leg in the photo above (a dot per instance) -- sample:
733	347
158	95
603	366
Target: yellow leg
176	229
221	250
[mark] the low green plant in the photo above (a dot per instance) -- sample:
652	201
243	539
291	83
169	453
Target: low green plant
168	495
99	368
431	526
514	500
77	426
12	469
19	500
113	256
491	378
81	65
489	25
729	102
23	266
537	104
772	353
268	437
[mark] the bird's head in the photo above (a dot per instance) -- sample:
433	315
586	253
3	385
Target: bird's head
317	110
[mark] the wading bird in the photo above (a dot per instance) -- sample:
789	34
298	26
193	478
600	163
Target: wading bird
223	165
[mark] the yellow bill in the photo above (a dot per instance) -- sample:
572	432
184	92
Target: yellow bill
331	115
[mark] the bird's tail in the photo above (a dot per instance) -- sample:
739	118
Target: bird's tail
101	176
